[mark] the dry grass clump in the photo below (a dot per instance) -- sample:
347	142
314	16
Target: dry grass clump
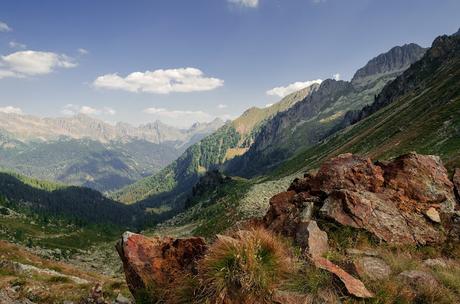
244	269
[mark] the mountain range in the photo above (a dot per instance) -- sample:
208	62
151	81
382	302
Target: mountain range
84	151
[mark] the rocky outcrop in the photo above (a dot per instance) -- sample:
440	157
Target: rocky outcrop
396	59
152	263
402	201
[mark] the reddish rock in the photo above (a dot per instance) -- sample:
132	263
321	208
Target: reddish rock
421	178
372	268
347	171
302	184
407	200
313	239
381	215
283	213
157	262
354	286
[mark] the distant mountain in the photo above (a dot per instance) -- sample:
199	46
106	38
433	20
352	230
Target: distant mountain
81	150
312	119
32	128
394	61
234	138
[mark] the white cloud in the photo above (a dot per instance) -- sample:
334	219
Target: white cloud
30	63
160	81
268	105
4	27
222	106
16	45
83	51
11	110
72	109
109	111
245	3
336	76
291	88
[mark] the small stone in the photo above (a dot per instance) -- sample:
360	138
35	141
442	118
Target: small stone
418	278
372	268
435	263
433	215
354	286
16	288
307	213
122	300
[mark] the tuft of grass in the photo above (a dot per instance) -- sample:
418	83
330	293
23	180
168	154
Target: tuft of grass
245	269
58	279
400	260
309	280
449	277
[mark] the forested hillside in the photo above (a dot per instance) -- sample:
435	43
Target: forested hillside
79	205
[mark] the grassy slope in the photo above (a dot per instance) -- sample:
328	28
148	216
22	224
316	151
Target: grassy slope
52	288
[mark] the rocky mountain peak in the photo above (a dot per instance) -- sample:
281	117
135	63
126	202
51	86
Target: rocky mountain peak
395	60
27	127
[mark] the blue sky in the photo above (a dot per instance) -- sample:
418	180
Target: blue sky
187	60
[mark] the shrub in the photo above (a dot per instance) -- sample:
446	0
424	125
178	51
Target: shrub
245	269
